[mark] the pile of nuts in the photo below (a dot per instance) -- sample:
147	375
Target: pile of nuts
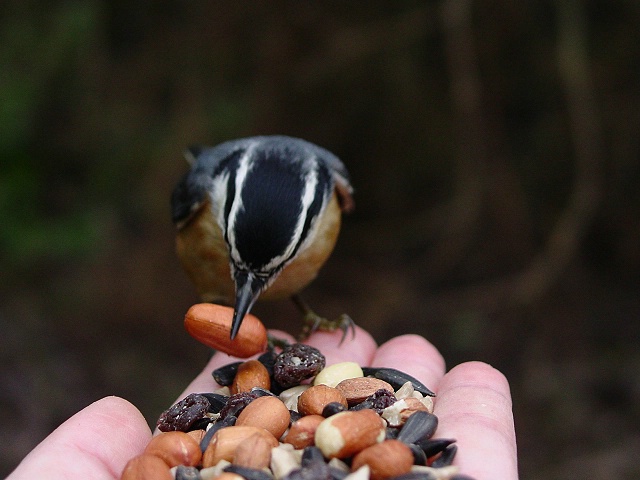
289	416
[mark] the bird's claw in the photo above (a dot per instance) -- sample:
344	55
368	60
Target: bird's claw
314	322
273	342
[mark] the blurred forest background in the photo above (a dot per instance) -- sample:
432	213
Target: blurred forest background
494	148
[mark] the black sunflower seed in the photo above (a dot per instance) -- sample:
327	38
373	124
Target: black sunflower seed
216	400
419	425
419	457
337	473
332	408
396	379
315	471
311	455
248	473
294	416
268	359
416	476
200	424
433	446
225	422
261	392
224	375
187	473
446	457
392	433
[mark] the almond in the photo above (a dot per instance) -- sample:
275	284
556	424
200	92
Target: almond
313	400
224	442
356	390
266	412
175	448
146	467
302	432
250	374
346	433
388	459
210	324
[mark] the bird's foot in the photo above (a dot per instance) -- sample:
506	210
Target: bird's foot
314	322
275	342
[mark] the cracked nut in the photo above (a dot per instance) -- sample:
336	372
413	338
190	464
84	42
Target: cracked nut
398	413
346	433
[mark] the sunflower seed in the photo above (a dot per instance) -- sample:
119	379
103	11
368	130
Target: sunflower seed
224	375
419	426
396	378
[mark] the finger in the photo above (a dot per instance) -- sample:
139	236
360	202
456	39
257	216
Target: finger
359	348
474	407
204	382
95	443
414	355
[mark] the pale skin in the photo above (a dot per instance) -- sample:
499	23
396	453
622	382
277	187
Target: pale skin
473	405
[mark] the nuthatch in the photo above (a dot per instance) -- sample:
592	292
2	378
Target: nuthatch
258	217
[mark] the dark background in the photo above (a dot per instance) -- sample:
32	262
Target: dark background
493	145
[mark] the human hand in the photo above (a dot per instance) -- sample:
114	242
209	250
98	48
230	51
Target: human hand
473	405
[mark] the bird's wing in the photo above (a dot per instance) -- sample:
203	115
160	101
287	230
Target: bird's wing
340	177
336	167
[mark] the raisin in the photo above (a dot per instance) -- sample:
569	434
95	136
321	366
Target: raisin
378	401
237	402
296	363
184	413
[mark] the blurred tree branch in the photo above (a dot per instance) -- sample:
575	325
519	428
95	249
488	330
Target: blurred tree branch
564	241
463	213
566	238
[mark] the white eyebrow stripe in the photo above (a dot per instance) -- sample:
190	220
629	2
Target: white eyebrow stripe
244	166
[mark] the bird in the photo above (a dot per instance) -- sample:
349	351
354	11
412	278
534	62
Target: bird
257	217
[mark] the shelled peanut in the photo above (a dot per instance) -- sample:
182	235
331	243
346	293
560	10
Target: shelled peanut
268	421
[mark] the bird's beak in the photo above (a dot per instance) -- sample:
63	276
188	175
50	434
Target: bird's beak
248	288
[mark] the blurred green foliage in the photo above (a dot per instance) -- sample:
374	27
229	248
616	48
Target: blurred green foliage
36	51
